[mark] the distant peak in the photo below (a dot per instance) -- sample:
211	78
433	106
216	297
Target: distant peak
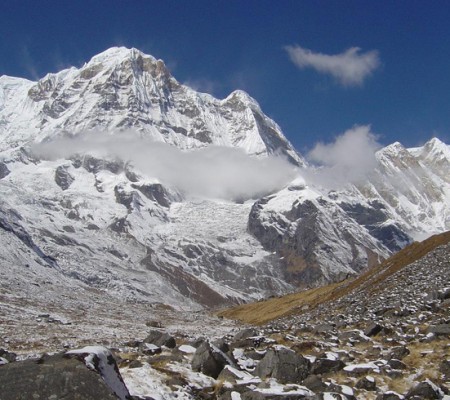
242	97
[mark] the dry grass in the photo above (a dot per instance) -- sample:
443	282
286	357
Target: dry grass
264	311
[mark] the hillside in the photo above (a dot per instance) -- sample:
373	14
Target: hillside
370	281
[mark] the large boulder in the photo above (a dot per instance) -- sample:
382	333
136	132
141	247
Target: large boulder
62	376
209	360
160	339
284	365
326	365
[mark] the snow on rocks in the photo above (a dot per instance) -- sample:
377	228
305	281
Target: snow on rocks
100	359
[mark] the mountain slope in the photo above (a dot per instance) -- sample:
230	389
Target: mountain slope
307	301
95	219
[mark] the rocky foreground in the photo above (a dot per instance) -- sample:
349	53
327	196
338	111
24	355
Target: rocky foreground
386	339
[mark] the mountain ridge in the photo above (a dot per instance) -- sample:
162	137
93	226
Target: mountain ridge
112	226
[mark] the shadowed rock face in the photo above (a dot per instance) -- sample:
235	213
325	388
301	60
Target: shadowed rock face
54	377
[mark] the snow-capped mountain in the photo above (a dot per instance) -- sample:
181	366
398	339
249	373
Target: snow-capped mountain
97	221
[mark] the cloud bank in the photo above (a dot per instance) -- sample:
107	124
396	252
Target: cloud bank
349	159
211	172
349	68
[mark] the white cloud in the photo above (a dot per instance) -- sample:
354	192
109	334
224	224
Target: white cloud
213	172
349	159
203	85
349	68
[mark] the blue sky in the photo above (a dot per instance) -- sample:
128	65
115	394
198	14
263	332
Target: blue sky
398	81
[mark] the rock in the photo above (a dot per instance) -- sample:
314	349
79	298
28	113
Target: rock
63	178
284	365
366	383
160	339
245	334
153	324
325	365
135	364
54	377
4	171
423	390
150	349
7	355
388	396
373	329
209	360
444	368
352	337
222	345
396	364
324	328
398	353
440	330
314	383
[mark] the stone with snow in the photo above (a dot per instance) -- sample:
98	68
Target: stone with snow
209	360
284	365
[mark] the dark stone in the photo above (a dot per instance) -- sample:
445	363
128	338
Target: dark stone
155	192
440	330
135	364
373	329
4	171
52	377
388	396
444	368
160	339
92	227
366	384
7	355
398	353
63	178
284	365
245	334
314	383
153	324
423	390
396	364
209	360
222	345
325	365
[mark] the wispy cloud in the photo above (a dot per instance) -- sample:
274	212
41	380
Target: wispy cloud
349	68
203	85
349	159
28	63
212	172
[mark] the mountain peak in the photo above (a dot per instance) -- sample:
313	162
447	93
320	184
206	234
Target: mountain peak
117	54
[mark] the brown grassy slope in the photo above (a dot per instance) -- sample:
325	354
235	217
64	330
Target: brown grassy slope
265	311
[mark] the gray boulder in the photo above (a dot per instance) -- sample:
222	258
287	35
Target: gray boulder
160	339
209	360
53	377
423	390
284	365
440	330
325	365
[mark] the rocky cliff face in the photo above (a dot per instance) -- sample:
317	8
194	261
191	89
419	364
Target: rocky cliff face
97	221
